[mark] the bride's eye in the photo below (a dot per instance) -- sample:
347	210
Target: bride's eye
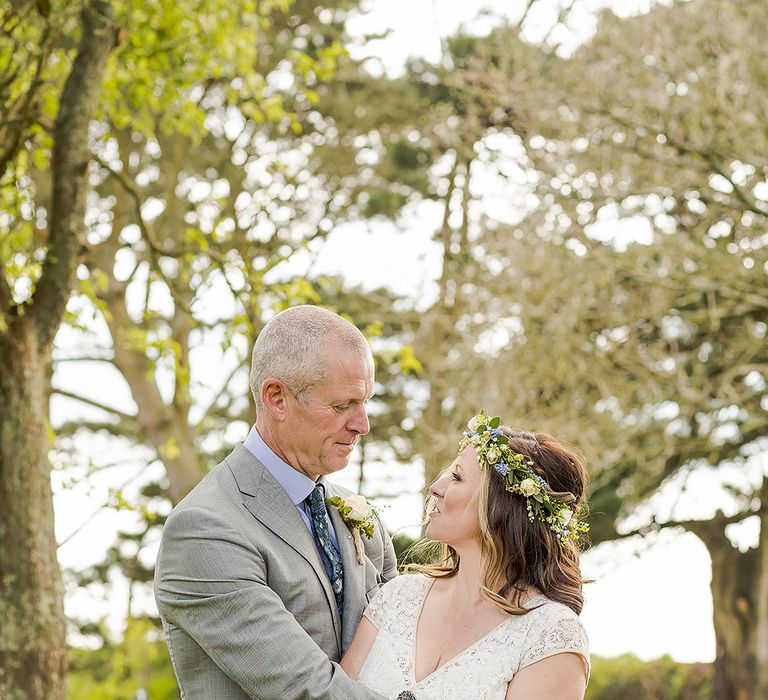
455	476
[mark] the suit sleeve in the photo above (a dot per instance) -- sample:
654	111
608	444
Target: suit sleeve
211	583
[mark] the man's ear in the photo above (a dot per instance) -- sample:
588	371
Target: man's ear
274	396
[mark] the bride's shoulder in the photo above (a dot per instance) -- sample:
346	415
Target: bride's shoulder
553	620
546	607
406	583
553	628
405	589
395	598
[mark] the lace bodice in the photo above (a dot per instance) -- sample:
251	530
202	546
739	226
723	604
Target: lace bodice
480	672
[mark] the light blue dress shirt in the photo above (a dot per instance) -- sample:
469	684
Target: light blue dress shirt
297	485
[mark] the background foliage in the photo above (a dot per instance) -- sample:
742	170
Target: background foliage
599	215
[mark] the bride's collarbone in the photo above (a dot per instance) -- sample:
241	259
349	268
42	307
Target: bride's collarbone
445	630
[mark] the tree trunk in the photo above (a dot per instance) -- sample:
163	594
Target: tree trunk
32	632
165	427
761	594
732	580
737	614
32	624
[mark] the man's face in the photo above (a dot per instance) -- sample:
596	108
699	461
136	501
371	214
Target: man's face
320	431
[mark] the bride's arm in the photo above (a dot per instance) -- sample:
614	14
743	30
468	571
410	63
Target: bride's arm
356	654
558	677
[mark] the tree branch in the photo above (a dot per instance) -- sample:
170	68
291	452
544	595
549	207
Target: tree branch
69	167
524	16
84	358
683	149
21	112
95	404
212	405
98	510
721	521
127	428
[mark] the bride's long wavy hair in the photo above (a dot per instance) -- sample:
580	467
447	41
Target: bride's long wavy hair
518	553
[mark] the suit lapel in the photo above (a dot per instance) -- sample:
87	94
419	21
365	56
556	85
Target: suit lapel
354	574
268	502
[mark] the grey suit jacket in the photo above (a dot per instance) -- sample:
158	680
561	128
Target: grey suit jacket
247	607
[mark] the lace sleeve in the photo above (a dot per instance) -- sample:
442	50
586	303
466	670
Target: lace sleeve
378	607
558	630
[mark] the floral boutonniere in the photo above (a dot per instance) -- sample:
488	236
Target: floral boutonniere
360	517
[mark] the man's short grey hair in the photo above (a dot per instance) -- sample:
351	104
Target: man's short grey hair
292	346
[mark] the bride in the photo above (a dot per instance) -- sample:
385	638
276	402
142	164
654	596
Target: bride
497	618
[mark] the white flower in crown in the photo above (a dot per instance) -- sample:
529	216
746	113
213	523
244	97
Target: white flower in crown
474	423
528	487
564	516
493	455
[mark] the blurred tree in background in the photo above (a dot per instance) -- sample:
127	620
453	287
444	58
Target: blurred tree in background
651	355
622	305
34	289
163	225
662	679
138	664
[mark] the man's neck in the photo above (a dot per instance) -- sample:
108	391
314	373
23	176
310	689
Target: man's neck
271	440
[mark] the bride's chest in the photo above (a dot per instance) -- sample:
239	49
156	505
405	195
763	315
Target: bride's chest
442	636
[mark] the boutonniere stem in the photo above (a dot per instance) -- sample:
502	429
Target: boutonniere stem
358	545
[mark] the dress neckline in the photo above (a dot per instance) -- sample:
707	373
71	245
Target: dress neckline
430	582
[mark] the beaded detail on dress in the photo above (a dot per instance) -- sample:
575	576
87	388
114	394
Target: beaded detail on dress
480	672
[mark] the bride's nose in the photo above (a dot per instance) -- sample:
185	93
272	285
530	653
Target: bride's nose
437	488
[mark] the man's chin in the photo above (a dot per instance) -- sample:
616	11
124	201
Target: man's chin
335	465
335	457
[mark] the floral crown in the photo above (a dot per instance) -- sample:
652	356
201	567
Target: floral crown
493	450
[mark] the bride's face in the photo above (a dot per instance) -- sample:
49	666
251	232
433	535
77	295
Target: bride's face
453	517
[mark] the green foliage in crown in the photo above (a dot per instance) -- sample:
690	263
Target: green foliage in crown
493	451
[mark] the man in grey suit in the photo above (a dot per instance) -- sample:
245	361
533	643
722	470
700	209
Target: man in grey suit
258	583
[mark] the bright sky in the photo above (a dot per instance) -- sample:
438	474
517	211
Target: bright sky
649	598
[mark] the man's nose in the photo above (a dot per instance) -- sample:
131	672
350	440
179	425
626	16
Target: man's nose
358	422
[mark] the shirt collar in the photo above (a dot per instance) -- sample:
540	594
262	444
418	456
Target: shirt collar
297	485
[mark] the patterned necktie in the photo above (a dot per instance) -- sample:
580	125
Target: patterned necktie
316	501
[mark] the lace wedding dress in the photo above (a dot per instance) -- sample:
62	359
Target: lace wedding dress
483	670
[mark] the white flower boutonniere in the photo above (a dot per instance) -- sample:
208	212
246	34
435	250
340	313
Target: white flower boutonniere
360	517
